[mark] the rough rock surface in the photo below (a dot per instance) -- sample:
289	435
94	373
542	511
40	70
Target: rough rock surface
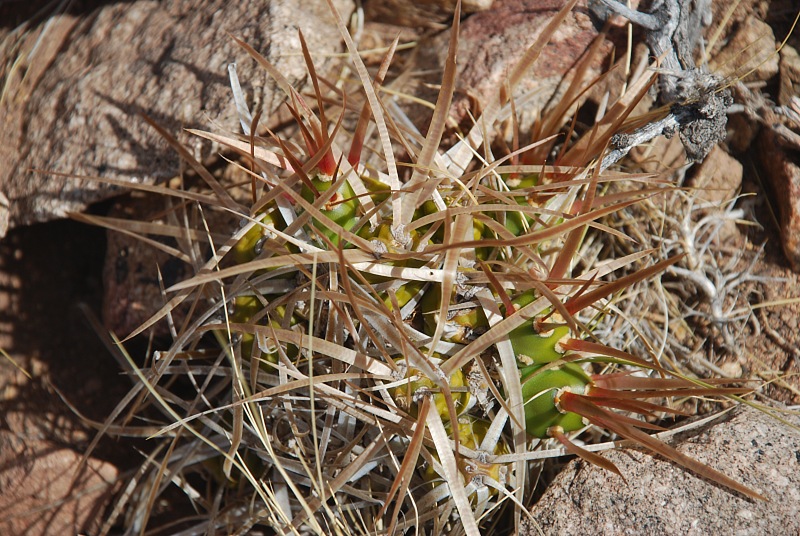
782	169
491	43
750	50
718	178
132	290
790	75
77	82
37	494
425	13
663	498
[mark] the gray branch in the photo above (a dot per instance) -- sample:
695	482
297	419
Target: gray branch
673	29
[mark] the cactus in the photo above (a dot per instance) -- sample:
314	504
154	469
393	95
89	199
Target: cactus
391	344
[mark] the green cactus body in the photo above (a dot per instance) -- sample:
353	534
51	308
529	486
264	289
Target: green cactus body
379	191
539	391
479	231
471	433
460	325
404	294
407	394
531	345
247	307
519	183
341	208
383	234
386	243
215	465
247	248
516	222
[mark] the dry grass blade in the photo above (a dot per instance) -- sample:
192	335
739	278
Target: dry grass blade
568	251
300	259
377	113
499	331
543	234
591	457
404	474
589	298
208	200
354	157
276	75
461	153
453	477
222	194
245	148
577	345
434	136
601	133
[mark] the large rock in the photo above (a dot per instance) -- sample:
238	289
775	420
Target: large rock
77	84
663	498
46	488
493	41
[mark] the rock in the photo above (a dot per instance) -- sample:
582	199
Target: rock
491	43
718	178
132	290
664	156
37	493
790	75
79	82
663	498
742	131
730	20
749	51
781	168
426	13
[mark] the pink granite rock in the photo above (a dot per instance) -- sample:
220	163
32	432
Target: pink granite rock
660	497
493	41
76	84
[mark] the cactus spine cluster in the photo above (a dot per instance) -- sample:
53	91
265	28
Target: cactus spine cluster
399	342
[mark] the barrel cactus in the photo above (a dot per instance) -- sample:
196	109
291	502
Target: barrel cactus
383	345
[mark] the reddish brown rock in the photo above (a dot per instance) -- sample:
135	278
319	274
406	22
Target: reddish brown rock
131	285
425	13
132	290
45	489
718	178
790	75
749	53
76	84
781	166
492	42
